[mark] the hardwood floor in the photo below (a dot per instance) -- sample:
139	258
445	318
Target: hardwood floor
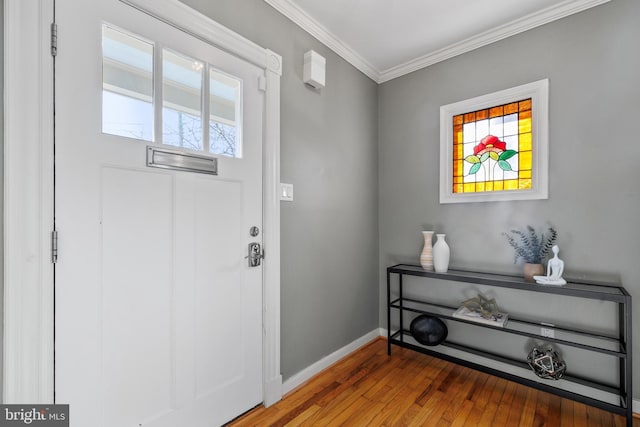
368	388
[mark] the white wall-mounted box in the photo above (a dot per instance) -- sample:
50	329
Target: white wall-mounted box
313	73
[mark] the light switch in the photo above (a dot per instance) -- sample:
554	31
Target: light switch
286	192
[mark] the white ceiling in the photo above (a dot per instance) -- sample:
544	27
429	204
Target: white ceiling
386	39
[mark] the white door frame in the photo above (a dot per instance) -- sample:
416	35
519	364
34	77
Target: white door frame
29	194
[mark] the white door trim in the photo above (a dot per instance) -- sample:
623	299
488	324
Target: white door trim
28	191
28	202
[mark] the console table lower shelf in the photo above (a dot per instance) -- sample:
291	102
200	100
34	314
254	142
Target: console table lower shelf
617	345
512	377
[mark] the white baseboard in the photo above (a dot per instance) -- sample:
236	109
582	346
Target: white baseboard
307	373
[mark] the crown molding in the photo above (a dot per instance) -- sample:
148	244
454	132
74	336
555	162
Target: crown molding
512	28
563	9
317	30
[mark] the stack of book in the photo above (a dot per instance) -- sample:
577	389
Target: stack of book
498	319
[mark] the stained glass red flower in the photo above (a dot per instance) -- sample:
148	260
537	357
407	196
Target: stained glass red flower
489	143
490	148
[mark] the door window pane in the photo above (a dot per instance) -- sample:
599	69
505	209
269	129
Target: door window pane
182	103
224	114
196	114
127	85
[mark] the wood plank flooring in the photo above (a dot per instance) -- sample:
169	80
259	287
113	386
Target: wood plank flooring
369	388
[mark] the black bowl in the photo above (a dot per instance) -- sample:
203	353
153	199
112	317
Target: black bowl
428	330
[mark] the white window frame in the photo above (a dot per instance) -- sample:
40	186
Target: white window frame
539	93
28	191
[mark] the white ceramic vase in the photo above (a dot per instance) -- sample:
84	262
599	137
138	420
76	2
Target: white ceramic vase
426	257
441	254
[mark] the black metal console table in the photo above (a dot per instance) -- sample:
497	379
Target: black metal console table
618	346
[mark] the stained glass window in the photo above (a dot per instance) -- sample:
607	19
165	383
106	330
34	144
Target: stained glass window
495	147
492	148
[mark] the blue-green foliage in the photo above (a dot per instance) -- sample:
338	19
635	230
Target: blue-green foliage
529	246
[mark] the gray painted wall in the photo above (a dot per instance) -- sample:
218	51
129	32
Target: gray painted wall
592	61
329	152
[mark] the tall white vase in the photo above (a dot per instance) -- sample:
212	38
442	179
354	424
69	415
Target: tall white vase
441	254
426	257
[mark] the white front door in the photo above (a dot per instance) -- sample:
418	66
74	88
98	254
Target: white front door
158	317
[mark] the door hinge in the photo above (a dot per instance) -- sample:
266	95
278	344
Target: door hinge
54	39
54	246
262	83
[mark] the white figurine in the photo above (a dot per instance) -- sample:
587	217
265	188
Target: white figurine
555	267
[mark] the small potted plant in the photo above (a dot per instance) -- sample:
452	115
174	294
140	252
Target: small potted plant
532	249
